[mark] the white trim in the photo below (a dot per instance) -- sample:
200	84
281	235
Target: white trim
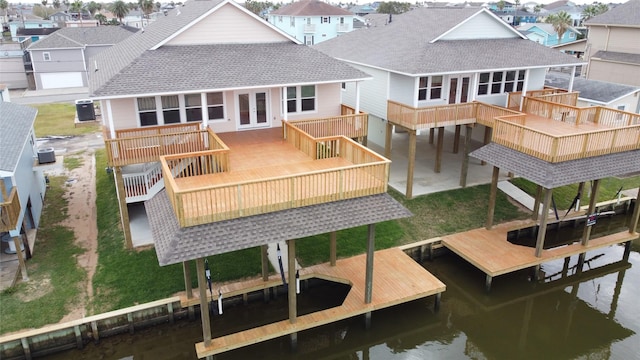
268	110
214	9
483	10
357	108
205	109
110	114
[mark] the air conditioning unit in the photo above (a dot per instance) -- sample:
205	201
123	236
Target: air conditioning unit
85	110
46	156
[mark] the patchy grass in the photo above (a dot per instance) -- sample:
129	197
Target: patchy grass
125	278
72	162
55	280
58	119
564	195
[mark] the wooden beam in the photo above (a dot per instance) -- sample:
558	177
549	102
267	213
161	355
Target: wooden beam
368	286
439	147
17	241
204	304
412	162
186	271
293	310
492	197
333	247
593	200
536	203
264	255
542	229
456	139
633	225
431	133
465	161
124	211
387	140
3	190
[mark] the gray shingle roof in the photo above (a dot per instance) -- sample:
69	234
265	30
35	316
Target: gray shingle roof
552	175
627	14
209	67
617	56
174	244
404	46
16	121
591	90
78	37
310	7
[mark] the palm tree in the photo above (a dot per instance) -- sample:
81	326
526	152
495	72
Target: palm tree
119	10
101	18
78	6
44	8
561	21
93	7
594	9
56	4
500	5
146	6
515	21
4	4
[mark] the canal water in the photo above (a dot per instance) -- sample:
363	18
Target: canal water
571	314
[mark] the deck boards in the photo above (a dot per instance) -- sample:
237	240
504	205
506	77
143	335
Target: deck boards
489	250
397	279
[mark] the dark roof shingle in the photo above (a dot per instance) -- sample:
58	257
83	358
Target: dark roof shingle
16	122
594	90
78	37
627	14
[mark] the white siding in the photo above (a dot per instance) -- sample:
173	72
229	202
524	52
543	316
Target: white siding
373	93
481	26
401	88
536	79
228	25
124	113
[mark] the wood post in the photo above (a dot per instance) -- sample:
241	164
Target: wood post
436	305
293	307
431	133
586	234
487	283
542	230
580	192
186	271
124	211
633	225
333	247
204	303
264	257
368	287
465	161
536	203
439	146
487	139
17	240
388	140
456	140
412	163
492	197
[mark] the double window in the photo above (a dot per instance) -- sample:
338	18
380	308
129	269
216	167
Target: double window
173	109
430	87
325	20
300	98
46	56
498	82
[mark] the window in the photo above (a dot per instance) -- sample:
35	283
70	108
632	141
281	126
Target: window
280	18
215	106
341	21
483	87
430	87
325	20
499	82
170	109
46	56
496	82
193	107
300	98
343	86
292	21
147	111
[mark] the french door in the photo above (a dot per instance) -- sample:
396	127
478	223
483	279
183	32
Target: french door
459	89
252	109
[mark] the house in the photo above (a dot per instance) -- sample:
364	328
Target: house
61	17
61	60
545	34
571	8
22	185
312	21
33	35
138	19
244	130
12	73
598	93
517	17
613	49
28	24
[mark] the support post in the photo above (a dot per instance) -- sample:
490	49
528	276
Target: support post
487	139
204	304
465	161
633	225
586	234
431	133
492	197
456	140
124	211
387	140
293	307
542	231
487	283
436	304
368	288
333	247
186	271
412	162
264	255
439	147
17	241
536	203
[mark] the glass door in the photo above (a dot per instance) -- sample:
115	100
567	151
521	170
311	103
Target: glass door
252	109
459	89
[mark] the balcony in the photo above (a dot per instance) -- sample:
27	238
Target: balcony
551	131
10	211
343	28
262	171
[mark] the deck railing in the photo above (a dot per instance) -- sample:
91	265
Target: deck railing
599	115
10	211
366	175
430	116
138	185
486	113
515	98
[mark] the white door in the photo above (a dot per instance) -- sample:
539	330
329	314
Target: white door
252	109
61	80
459	89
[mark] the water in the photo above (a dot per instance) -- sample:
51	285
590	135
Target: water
569	315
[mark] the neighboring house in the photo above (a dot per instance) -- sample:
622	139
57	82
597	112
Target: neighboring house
508	6
545	34
34	34
613	45
576	48
22	187
362	10
61	60
312	21
12	72
82	23
599	93
61	17
137	19
28	24
517	17
571	8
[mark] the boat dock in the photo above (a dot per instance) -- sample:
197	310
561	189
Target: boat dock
397	279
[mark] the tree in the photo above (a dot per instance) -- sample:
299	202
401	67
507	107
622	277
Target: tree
257	7
393	7
101	19
119	10
56	4
44	8
537	9
93	7
500	5
561	21
78	7
146	6
594	9
515	20
4	4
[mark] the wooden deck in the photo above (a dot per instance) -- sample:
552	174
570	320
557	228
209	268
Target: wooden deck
396	279
489	250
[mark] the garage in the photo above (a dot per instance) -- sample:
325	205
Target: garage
61	80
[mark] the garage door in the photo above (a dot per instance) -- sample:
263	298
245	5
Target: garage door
61	80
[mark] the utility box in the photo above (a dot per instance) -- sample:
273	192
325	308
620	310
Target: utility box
46	156
85	110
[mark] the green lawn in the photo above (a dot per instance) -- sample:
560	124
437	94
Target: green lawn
58	119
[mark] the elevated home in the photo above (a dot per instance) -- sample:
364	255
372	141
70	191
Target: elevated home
22	186
246	132
545	34
312	21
